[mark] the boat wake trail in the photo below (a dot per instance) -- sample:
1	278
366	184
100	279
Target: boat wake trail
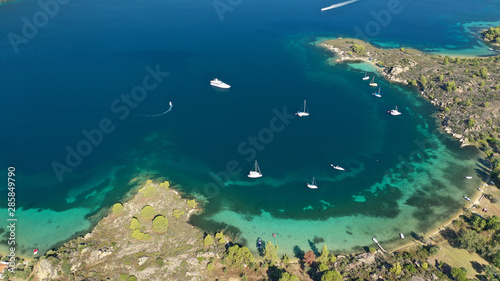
160	114
339	5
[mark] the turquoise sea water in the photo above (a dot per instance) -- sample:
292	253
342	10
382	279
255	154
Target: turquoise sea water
402	174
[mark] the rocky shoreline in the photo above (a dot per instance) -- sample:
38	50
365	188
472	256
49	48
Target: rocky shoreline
410	67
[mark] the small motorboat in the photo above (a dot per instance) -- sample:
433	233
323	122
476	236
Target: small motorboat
468	177
401	235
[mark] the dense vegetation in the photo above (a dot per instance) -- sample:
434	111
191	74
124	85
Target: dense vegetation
492	34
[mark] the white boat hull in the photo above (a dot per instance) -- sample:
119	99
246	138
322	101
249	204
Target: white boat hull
312	186
302	114
366	78
219	84
337	167
373	84
254	175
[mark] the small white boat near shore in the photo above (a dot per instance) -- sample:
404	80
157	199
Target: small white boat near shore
468	177
467	198
219	84
366	77
401	235
372	83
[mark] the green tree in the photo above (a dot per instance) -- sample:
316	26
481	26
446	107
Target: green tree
134	223
137	234
471	123
451	86
285	260
487	104
359	49
446	61
423	81
493	223
271	253
210	266
147	212
396	268
324	257
332	275
160	224
117	208
191	203
208	240
149	191
285	276
237	256
490	272
459	274
470	240
441	78
484	72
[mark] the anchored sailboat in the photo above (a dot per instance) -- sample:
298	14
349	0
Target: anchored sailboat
255	173
313	184
303	111
372	83
378	95
366	77
395	112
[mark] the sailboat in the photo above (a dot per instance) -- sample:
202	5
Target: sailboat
313	184
395	112
372	83
337	167
366	76
303	111
255	173
378	95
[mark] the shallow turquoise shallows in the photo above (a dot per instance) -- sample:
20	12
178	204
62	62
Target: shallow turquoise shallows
84	85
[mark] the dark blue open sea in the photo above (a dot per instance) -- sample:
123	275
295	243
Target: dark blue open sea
82	81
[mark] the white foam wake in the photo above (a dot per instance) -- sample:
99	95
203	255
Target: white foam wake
160	114
339	5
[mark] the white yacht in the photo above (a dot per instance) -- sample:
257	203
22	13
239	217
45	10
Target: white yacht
372	83
468	177
217	83
395	112
337	167
303	111
255	173
313	184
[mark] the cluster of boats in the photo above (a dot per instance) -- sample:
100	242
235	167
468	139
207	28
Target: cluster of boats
303	112
395	111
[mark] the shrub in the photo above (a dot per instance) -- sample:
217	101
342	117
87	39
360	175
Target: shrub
270	253
208	240
123	276
134	223
132	278
396	268
137	234
178	213
237	256
210	266
165	184
147	212
372	250
425	265
191	203
117	208
331	275
149	191
160	224
159	261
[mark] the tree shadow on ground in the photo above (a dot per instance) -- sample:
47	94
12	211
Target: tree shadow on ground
451	236
298	253
477	266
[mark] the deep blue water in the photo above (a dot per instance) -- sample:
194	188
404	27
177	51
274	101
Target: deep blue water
67	76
